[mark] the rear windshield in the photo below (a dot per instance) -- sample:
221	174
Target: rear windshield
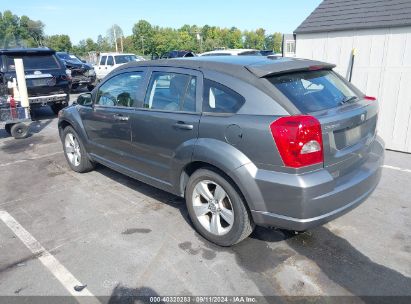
312	91
34	62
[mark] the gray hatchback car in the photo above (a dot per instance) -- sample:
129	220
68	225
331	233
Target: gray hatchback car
246	141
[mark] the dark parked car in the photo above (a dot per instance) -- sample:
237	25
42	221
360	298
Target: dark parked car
46	77
82	73
246	140
266	52
174	54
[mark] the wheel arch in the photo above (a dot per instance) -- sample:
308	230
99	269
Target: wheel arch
194	166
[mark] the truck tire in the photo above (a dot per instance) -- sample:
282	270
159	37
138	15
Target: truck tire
19	130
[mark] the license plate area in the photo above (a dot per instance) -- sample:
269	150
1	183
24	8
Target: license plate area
349	137
39	82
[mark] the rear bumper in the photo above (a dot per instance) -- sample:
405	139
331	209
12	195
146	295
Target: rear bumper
48	99
301	202
83	80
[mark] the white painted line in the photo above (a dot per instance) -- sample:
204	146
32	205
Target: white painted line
49	261
29	159
397	168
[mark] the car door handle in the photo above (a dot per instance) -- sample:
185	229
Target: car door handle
120	117
182	125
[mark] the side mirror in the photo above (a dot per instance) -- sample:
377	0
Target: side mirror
85	100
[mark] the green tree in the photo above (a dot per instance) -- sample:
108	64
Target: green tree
102	44
254	39
59	42
274	42
143	35
114	35
19	31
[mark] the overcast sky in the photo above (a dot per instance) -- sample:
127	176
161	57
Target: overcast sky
84	19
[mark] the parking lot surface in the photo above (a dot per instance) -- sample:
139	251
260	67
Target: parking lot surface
121	237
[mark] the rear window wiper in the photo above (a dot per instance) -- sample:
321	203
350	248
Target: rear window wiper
348	99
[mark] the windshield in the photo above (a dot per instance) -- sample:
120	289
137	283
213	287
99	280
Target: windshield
34	62
314	90
250	53
69	57
125	58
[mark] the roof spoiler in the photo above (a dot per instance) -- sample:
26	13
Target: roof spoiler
22	51
290	66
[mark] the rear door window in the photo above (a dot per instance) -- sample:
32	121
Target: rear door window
220	99
171	92
312	91
34	62
110	60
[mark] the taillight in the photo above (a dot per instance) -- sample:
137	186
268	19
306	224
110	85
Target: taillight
370	98
299	140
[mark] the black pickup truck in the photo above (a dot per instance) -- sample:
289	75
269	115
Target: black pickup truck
46	77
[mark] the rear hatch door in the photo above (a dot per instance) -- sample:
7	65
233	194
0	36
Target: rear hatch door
348	118
45	74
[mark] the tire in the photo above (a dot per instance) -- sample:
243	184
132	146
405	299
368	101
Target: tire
19	130
75	153
230	208
56	107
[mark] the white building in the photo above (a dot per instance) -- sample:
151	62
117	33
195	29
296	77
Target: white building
380	33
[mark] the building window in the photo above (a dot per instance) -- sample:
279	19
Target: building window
290	46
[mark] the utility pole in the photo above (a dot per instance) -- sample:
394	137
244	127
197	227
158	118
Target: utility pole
122	46
115	38
200	40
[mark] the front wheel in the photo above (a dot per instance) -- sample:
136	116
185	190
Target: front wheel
75	152
216	208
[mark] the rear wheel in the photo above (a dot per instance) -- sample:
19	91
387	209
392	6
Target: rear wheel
75	152
19	130
217	209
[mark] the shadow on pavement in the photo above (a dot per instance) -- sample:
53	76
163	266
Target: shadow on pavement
125	295
156	194
348	267
264	250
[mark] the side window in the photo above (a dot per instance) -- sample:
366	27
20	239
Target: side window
220	99
121	90
110	60
103	60
171	91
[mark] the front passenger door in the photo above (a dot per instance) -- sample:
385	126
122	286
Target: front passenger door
107	123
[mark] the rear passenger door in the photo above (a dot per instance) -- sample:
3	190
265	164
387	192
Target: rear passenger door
166	127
